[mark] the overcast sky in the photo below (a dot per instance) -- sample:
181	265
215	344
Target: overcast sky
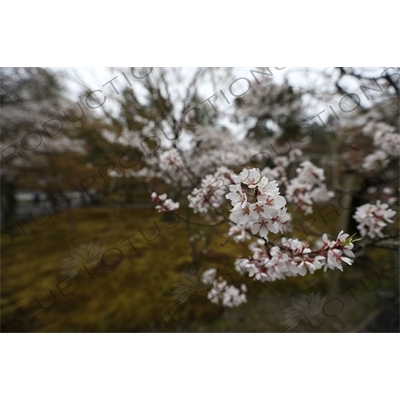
299	77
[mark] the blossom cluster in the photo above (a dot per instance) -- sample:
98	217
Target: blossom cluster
372	218
171	167
228	295
385	140
239	233
279	172
308	187
294	257
377	159
211	192
258	208
170	160
165	205
257	204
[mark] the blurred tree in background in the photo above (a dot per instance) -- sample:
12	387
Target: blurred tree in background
38	151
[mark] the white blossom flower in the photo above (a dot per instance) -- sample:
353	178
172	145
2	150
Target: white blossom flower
170	160
209	276
308	187
264	211
211	192
281	161
376	160
372	218
166	205
295	258
228	295
295	155
239	233
248	177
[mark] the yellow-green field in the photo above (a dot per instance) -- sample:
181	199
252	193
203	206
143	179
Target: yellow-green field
130	289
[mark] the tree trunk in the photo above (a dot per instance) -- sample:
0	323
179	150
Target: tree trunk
343	225
8	201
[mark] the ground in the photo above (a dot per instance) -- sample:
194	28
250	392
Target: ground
129	289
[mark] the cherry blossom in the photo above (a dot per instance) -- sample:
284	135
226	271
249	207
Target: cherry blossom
308	186
259	209
262	208
254	203
372	218
239	233
294	257
211	192
386	142
209	276
166	205
228	295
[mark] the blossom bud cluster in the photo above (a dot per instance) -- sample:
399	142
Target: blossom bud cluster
228	295
294	257
371	218
166	205
257	204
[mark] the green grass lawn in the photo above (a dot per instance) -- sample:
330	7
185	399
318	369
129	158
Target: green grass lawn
130	289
